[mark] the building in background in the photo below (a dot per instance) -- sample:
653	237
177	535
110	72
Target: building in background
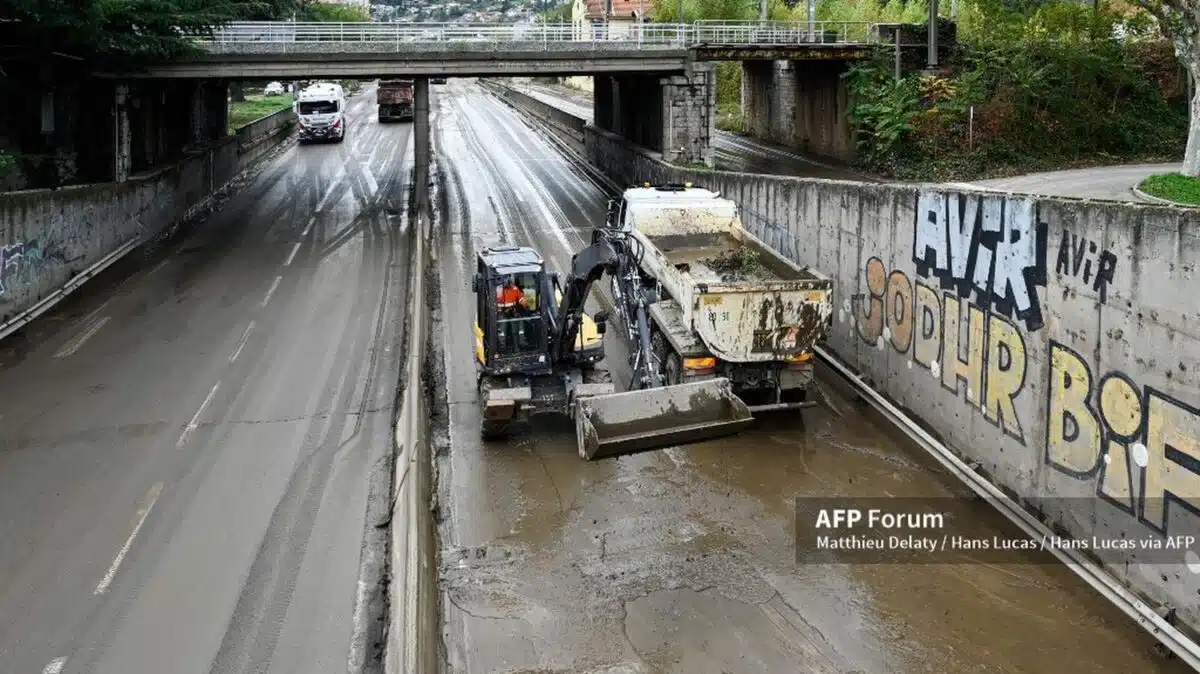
595	19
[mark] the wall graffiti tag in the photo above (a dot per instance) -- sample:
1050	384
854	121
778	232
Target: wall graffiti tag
994	247
965	317
20	263
1076	254
1140	445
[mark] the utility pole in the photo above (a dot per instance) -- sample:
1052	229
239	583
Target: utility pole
762	11
933	33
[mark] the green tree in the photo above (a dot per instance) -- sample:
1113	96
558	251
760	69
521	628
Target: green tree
107	32
1179	20
559	14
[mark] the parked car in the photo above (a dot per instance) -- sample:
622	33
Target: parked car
273	89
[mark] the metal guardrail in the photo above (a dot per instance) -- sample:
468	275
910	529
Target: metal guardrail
636	35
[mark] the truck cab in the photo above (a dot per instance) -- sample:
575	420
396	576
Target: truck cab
321	112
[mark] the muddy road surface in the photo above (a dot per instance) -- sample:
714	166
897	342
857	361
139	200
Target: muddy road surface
185	446
683	560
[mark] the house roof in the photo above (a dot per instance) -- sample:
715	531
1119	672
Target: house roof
618	8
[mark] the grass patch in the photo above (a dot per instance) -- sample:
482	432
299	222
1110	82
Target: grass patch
1173	187
254	108
729	117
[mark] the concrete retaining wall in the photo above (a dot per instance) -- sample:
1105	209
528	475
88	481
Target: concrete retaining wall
1054	343
570	126
49	236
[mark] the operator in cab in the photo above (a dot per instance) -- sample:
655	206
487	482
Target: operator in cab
510	298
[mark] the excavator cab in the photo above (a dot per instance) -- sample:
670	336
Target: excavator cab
516	309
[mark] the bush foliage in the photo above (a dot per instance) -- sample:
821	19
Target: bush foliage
1032	85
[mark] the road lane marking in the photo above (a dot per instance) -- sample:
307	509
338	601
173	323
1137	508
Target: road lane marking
372	185
151	499
271	290
158	266
192	424
75	344
93	312
242	343
308	226
56	666
337	181
292	255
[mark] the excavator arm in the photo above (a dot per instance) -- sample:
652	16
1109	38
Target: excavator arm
587	267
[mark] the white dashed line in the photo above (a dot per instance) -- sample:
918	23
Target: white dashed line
158	266
372	184
271	290
93	312
192	424
56	666
75	344
308	226
291	256
242	343
151	499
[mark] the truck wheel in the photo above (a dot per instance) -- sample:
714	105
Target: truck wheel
493	432
673	369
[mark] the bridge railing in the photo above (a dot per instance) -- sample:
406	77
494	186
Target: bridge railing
632	34
780	32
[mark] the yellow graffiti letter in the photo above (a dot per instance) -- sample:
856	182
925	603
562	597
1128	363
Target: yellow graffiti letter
953	366
1173	451
927	322
900	310
1072	429
868	308
1006	375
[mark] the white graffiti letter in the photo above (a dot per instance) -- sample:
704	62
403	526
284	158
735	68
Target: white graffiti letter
1016	251
931	239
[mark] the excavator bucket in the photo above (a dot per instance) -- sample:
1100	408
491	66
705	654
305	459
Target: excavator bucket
635	421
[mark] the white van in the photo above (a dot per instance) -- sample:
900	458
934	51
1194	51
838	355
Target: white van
321	112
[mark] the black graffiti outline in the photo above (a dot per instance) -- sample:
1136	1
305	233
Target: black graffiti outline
1012	397
1188	462
889	311
988	299
936	319
1088	402
1071	256
1107	435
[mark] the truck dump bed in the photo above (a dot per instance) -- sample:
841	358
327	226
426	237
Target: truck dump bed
730	293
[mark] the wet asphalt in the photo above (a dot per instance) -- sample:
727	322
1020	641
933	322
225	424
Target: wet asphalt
683	560
731	151
184	446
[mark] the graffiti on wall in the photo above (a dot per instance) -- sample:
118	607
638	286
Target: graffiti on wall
20	264
965	317
1141	445
1077	254
977	355
991	247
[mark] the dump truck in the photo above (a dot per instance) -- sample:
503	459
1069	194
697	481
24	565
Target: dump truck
395	99
721	303
538	353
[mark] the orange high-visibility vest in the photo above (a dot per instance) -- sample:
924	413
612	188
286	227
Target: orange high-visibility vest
509	297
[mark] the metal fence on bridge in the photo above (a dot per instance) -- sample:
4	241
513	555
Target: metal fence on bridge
635	35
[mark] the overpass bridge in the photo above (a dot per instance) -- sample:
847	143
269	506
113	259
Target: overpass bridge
283	50
655	82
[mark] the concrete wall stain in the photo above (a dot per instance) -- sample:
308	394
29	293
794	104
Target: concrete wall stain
994	247
1141	445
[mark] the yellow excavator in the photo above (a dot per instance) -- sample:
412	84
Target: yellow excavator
542	357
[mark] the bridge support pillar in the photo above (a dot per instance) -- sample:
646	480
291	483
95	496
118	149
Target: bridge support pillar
689	115
421	144
675	115
801	104
209	112
122	135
